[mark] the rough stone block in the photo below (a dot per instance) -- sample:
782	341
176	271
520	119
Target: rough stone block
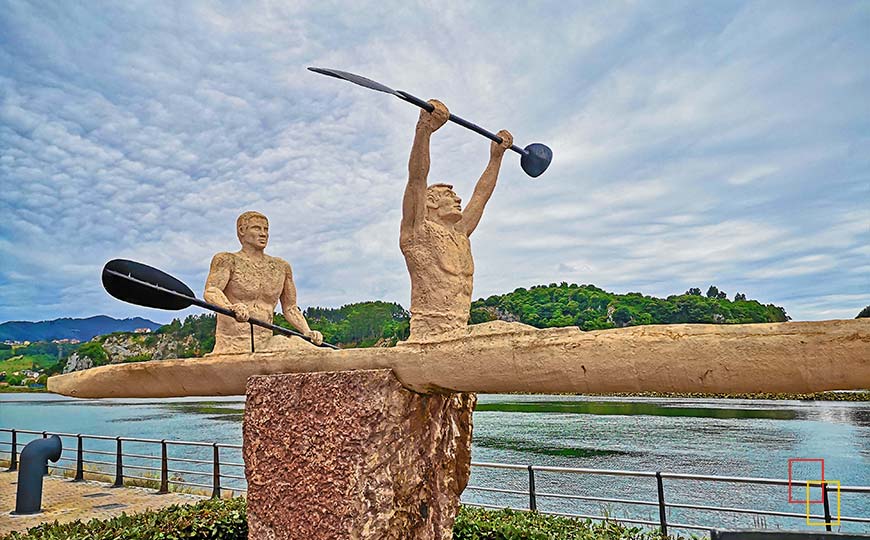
353	454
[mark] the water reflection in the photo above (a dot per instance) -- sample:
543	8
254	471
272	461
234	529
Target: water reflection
634	409
548	448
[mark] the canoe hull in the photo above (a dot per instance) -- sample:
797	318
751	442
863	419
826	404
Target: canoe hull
794	357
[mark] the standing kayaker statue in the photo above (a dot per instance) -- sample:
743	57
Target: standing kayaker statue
434	234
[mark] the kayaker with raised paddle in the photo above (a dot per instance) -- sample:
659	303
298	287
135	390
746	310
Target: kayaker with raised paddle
434	234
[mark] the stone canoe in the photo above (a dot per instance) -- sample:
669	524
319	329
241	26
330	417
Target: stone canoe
499	357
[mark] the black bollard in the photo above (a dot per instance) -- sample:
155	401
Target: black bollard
33	463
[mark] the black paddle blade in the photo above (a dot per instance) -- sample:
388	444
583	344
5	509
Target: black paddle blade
143	285
356	79
536	160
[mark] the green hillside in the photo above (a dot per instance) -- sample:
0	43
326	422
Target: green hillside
37	356
591	308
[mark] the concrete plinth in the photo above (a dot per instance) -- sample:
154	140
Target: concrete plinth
353	454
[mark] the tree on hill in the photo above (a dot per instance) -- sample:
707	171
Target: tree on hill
864	313
14	380
361	324
94	350
201	327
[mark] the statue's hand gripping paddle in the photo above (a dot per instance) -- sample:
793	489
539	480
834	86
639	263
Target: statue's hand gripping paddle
535	159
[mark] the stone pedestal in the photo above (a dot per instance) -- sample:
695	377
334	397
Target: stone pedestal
353	454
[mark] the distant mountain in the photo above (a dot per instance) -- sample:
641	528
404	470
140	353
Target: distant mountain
67	328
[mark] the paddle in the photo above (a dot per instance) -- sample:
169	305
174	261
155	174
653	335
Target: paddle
535	159
146	286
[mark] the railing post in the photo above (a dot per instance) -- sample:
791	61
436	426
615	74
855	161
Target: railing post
13	462
164	468
216	474
827	506
533	502
119	464
80	459
663	520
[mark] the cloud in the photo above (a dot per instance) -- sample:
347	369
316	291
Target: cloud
720	144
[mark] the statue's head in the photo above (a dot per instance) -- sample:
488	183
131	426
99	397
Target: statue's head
442	204
253	229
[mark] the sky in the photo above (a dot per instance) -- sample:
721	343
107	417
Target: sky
695	143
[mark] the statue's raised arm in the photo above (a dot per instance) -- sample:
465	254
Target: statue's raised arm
486	184
414	202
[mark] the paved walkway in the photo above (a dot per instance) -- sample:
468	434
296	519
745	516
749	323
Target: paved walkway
64	500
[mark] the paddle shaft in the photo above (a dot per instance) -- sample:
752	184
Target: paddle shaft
428	107
218	309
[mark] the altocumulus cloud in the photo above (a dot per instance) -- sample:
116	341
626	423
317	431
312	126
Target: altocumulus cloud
720	143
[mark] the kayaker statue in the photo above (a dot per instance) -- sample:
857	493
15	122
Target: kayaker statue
434	234
250	283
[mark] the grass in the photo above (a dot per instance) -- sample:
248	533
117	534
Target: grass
18	363
226	520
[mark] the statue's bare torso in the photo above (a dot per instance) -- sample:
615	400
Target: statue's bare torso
255	283
440	258
250	283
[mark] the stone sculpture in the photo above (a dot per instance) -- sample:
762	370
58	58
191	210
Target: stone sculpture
435	234
375	443
250	283
792	357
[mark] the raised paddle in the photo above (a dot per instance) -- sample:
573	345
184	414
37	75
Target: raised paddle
535	159
144	285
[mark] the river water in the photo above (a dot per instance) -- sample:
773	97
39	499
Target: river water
747	438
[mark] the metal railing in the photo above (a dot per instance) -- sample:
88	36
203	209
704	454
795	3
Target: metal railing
162	479
161	465
661	503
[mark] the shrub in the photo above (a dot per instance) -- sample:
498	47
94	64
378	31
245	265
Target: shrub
144	357
207	520
480	524
225	520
